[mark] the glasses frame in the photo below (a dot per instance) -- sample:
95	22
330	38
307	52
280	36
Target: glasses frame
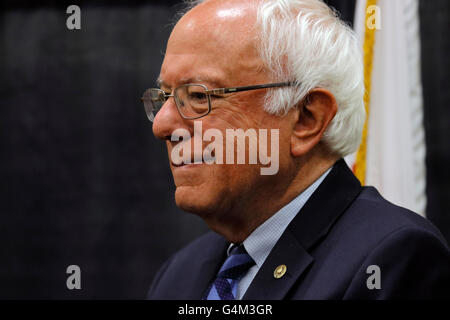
210	92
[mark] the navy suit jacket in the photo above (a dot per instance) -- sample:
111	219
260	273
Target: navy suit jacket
341	231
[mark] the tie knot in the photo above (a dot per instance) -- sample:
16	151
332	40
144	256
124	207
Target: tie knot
237	264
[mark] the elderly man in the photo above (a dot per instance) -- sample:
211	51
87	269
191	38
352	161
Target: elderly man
307	230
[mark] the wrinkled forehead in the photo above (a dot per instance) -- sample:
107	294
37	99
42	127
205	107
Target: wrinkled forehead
215	34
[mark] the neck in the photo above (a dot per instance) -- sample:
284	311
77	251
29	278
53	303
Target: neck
246	216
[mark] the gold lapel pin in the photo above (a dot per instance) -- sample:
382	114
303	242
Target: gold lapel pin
279	271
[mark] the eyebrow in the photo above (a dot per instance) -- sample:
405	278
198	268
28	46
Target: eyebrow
215	82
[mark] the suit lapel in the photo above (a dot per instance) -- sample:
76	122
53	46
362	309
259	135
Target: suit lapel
287	251
311	224
209	262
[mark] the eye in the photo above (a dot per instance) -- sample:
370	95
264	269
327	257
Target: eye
198	96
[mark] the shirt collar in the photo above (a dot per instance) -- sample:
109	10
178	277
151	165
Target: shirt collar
262	240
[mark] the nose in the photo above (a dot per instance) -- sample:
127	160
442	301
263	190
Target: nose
167	120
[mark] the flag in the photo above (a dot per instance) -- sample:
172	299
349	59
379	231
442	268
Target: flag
392	152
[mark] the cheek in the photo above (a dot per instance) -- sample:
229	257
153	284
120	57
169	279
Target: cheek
237	115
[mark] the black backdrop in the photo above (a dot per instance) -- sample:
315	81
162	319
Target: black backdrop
83	180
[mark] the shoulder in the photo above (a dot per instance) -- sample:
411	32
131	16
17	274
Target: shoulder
372	216
410	252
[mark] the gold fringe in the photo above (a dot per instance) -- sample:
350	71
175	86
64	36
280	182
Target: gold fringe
368	47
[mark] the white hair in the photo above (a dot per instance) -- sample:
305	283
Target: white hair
306	42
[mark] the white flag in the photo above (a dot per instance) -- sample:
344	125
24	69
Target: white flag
395	140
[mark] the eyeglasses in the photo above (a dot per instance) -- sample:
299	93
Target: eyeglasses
194	100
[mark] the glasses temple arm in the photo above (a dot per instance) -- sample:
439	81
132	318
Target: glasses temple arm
247	88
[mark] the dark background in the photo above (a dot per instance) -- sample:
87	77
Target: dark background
83	180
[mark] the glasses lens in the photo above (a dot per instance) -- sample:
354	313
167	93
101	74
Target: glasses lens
192	101
153	101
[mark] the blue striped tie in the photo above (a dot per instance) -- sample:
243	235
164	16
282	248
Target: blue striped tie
234	268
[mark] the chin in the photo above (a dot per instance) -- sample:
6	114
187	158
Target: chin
197	200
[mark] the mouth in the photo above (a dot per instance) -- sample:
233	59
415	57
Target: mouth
205	160
196	160
179	165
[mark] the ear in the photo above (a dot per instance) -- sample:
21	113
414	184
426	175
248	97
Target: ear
315	114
